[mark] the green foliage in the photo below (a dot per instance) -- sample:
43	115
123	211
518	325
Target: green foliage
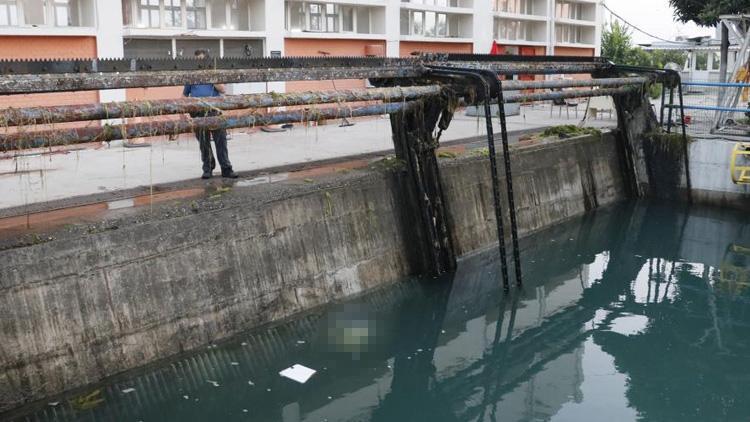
707	12
446	154
389	163
616	42
569	131
617	45
664	138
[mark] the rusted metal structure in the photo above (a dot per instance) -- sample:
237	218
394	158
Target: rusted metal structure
420	94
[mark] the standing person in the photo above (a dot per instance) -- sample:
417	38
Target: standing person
205	135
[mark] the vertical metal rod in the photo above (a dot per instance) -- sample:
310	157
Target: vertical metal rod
661	112
669	113
509	182
685	146
493	162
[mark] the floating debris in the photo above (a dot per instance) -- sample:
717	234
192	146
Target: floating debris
234	363
128	390
243	343
299	373
214	383
186	397
250	382
330	398
53	403
301	342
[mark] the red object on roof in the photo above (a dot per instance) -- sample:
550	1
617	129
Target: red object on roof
495	48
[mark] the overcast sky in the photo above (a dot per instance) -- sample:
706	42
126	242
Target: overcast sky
653	16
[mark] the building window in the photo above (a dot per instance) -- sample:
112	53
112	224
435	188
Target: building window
525	7
172	13
196	14
513	30
332	18
347	19
571	34
425	24
149	12
567	10
326	17
8	13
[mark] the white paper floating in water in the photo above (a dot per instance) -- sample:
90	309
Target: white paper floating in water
185	397
244	410
128	390
234	363
300	341
250	382
53	403
297	372
243	344
214	383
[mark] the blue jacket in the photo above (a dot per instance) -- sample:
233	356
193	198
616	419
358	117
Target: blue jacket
201	90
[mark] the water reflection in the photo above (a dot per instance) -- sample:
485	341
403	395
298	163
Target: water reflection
637	312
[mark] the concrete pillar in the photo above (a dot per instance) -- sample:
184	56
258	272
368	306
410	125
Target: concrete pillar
551	27
274	28
483	30
109	42
392	28
599	13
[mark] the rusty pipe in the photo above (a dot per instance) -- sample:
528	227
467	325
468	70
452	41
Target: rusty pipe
69	136
130	109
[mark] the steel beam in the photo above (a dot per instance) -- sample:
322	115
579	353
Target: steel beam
69	136
130	109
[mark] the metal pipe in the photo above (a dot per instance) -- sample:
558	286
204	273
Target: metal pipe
572	83
26	84
493	161
579	93
669	111
528	68
69	136
661	108
128	109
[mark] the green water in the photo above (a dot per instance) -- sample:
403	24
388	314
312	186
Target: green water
639	312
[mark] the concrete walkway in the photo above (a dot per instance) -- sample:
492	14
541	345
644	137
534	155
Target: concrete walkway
32	179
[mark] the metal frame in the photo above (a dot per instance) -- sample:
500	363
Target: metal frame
403	83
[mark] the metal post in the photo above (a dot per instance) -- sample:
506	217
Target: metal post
481	82
686	149
509	183
669	113
661	111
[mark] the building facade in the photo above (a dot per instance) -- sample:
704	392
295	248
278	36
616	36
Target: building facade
392	28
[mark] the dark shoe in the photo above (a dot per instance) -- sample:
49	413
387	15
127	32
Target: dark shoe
206	175
230	175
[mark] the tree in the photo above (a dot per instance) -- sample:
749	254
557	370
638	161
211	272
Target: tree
616	42
707	12
617	46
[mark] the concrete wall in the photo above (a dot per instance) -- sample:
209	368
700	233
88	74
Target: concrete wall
86	306
710	177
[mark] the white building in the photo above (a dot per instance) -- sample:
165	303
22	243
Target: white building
175	28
